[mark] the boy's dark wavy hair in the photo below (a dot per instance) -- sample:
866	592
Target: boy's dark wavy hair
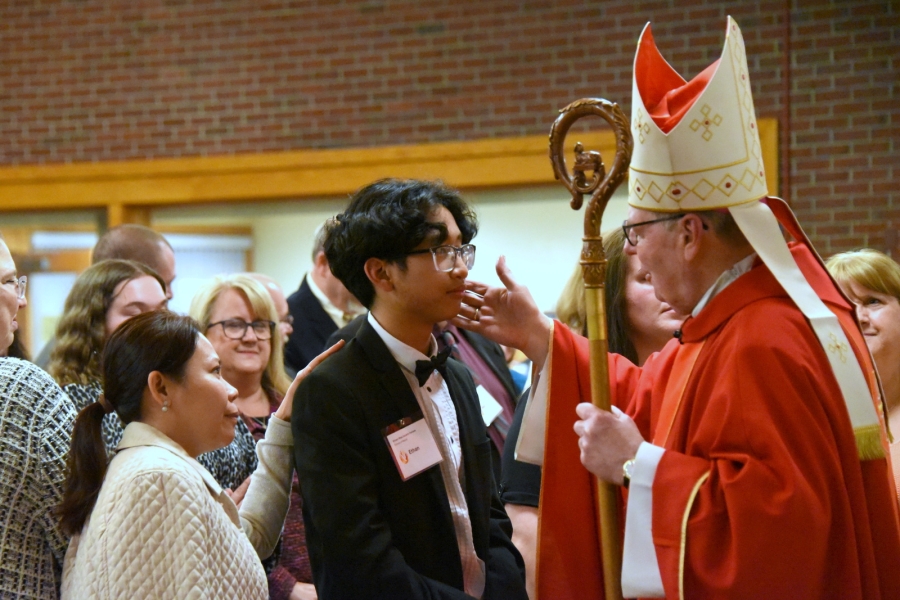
386	220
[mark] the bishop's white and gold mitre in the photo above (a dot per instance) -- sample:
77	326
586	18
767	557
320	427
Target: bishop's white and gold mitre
701	151
696	148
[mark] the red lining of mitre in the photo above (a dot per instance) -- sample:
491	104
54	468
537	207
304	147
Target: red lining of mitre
664	92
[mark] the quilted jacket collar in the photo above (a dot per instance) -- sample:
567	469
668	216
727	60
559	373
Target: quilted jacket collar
141	434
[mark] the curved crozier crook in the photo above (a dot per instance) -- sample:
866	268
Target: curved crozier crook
602	185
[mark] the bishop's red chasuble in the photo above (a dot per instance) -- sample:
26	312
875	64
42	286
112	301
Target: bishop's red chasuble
760	492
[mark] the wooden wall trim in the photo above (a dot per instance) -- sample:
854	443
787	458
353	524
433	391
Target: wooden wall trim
768	140
129	189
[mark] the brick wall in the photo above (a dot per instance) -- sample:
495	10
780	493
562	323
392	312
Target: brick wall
92	80
844	121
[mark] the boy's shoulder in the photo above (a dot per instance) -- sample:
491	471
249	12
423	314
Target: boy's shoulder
347	365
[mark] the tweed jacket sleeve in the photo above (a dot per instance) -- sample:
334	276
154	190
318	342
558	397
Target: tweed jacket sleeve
36	420
55	435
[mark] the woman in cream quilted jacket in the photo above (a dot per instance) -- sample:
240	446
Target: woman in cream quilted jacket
154	523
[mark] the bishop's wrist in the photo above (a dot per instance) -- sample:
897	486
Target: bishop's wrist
627	471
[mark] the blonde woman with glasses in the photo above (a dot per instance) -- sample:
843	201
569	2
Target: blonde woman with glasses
238	316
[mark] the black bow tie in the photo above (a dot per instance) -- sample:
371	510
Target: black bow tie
424	368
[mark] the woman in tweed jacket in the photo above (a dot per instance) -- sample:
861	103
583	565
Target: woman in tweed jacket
35	428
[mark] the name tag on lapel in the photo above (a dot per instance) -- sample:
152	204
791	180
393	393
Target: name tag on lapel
412	445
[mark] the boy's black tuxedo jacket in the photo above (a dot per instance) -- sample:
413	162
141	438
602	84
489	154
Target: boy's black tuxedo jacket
370	534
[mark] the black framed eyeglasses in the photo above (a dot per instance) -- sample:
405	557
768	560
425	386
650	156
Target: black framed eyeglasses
445	256
235	329
632	236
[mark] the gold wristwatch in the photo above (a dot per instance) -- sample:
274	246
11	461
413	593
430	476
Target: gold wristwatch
627	469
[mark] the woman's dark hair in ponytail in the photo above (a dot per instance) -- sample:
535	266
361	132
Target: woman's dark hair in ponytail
154	341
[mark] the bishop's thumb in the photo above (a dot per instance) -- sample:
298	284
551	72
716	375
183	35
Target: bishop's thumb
505	274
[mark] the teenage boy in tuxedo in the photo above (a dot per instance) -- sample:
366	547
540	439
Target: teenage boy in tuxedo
393	457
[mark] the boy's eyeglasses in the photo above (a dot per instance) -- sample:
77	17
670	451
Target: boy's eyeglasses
445	256
235	329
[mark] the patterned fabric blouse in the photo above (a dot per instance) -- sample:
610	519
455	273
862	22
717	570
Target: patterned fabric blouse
230	465
36	422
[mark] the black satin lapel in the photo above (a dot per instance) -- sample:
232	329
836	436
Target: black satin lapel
399	401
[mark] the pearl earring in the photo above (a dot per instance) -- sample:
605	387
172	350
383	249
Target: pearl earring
165	408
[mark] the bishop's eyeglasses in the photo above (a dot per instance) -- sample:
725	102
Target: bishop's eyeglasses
632	236
18	284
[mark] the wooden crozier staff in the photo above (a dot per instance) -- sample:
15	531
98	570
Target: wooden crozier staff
600	186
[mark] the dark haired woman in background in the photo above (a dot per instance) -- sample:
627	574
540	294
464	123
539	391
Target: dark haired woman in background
155	523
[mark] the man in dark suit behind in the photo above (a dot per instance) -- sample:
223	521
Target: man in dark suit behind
383	522
318	308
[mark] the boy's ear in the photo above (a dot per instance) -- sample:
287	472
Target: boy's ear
378	273
321	259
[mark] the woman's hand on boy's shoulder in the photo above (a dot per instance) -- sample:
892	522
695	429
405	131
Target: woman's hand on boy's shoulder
287	403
